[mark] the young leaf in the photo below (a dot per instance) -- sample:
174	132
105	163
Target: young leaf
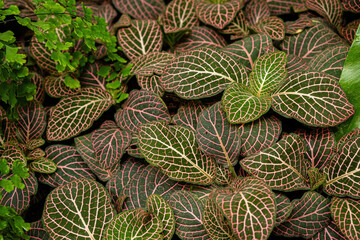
216	137
217	14
345	212
242	106
140	9
188	211
259	134
287	155
310	215
188	114
312	98
343	171
149	181
202	73
78	209
158	206
141	38
201	37
43	165
69	164
268	73
75	114
174	150
248	200
283	208
179	16
141	107
331	10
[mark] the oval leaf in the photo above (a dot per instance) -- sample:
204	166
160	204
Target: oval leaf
43	165
140	9
179	16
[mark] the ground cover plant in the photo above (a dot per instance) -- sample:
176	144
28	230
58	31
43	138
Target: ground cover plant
182	119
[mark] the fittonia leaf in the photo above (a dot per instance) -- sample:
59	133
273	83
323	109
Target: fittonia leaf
163	211
311	214
75	114
330	232
312	98
151	84
174	150
43	165
149	181
79	209
297	26
296	64
108	12
248	200
179	16
272	26
283	208
287	155
259	134
279	7
140	9
12	152
238	27
91	78
141	38
343	170
345	212
257	10
188	114
151	63
216	137
331	10
188	211
223	11
55	86
202	73
37	231
141	107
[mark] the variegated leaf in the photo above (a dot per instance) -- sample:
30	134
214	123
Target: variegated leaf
188	211
55	87
31	121
319	143
273	26
223	175
257	10
247	50
135	224
174	150
149	181
216	137
238	27
12	152
310	42
37	231
330	61
161	208
248	200
279	7
19	199
107	11
79	209
42	56
217	13
283	208
296	64
346	214
310	215
215	224
140	9
259	134
268	73
188	114
151	63
110	145
201	73
70	166
141	107
201	37
151	84
351	5
349	31
242	106
134	150
282	166
297	26
179	15
35	154
38	80
141	38
101	52
331	10
128	170
43	165
312	98
352	134
75	114
90	77
343	170
34	143
331	232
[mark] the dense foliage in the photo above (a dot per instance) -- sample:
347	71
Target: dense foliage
190	119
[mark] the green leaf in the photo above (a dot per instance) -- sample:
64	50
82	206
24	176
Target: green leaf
71	82
7	185
114	85
135	224
7	37
242	106
268	73
312	98
287	155
249	206
316	178
4	167
104	71
13	56
75	114
345	212
174	150
20	169
163	211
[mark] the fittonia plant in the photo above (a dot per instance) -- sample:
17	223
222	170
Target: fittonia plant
187	119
